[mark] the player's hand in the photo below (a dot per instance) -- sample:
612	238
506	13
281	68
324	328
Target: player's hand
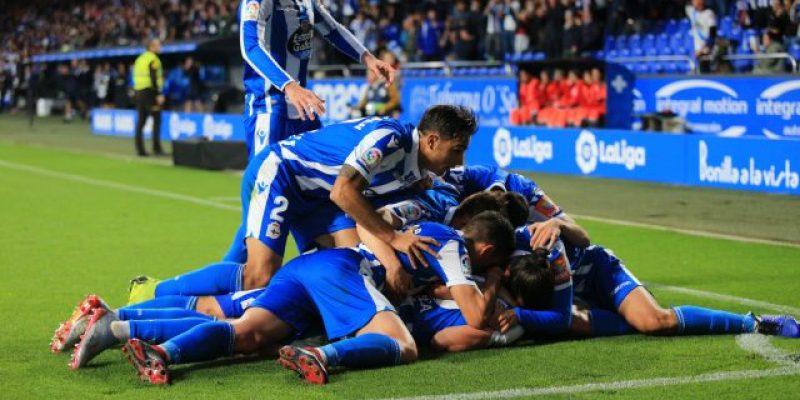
413	246
398	281
380	68
507	320
308	104
545	234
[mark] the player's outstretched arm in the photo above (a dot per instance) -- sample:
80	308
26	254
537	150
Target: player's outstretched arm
347	194
476	307
460	338
546	233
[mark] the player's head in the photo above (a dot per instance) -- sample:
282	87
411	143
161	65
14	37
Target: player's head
154	45
444	134
490	240
530	280
510	205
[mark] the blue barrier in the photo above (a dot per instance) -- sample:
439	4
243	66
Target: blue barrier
753	164
174	125
725	106
339	96
491	99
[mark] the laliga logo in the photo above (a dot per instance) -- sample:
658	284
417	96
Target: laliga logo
506	148
589	152
179	126
213	128
502	147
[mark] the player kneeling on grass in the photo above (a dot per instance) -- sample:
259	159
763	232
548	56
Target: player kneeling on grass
340	287
619	304
94	327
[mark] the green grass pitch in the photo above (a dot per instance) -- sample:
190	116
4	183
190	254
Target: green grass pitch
77	222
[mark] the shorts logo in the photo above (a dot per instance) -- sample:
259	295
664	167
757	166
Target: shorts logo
261	186
251	10
274	230
372	157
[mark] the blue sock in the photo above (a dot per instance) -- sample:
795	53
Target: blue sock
163	313
204	342
171	301
693	320
237	252
159	331
218	278
369	350
608	323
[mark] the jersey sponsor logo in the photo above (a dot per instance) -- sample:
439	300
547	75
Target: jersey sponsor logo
371	157
251	10
299	43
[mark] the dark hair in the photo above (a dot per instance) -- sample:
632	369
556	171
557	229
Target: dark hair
448	121
515	208
492	228
476	204
531	280
510	205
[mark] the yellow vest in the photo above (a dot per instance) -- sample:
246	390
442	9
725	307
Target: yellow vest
141	71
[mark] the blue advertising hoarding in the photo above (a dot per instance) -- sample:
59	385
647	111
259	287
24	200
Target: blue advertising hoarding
174	125
491	99
754	164
339	95
725	106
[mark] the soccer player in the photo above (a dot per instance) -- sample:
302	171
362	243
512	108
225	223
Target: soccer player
340	286
94	326
620	304
549	220
307	183
275	39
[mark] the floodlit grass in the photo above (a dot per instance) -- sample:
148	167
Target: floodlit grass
73	223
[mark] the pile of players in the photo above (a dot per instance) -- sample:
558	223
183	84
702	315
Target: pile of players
402	249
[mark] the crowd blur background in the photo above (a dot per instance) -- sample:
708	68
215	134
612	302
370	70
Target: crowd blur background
648	36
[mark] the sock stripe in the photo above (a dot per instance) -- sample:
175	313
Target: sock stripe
679	315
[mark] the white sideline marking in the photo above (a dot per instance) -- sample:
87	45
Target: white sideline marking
618	385
119	186
728	298
226	199
759	344
692	232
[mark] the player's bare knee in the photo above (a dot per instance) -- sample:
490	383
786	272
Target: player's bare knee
408	351
658	322
256	275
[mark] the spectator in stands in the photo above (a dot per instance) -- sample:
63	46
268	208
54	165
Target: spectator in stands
409	37
779	18
772	44
494	29
701	20
522	36
463	36
553	29
431	38
794	17
364	30
571	38
759	12
378	99
591	33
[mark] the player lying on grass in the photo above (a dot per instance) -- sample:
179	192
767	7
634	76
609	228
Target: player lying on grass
313	184
339	287
618	303
94	327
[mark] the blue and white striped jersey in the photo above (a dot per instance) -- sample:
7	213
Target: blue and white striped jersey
477	178
436	204
381	149
275	39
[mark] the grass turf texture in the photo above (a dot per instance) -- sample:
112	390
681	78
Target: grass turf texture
65	231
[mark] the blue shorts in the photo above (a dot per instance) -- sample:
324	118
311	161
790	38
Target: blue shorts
273	206
426	316
234	304
601	279
326	285
262	129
